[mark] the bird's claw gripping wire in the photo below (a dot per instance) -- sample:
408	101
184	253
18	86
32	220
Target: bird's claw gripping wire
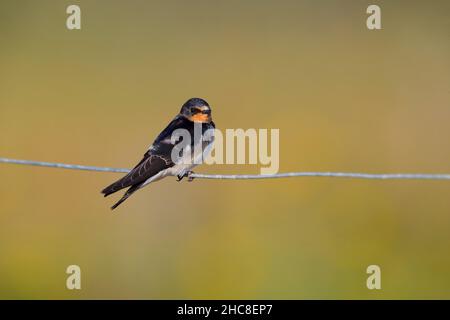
188	175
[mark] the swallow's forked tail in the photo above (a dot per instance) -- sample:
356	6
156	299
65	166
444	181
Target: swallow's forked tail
114	187
129	192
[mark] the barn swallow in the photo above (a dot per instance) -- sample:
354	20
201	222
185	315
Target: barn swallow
157	162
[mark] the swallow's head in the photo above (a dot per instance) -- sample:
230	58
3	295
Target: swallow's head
196	110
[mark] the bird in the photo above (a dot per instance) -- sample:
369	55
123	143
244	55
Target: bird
158	162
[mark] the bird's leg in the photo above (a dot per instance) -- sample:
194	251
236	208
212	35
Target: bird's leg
186	174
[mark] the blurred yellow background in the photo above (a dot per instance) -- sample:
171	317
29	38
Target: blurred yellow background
344	98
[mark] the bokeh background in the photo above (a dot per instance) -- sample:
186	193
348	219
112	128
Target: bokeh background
344	98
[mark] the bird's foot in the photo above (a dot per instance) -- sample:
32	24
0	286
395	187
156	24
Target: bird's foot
187	175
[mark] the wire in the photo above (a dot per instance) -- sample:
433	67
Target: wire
61	165
354	175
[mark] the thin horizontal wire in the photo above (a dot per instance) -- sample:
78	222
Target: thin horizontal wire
62	165
353	175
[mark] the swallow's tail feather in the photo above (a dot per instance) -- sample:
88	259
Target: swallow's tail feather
114	187
129	192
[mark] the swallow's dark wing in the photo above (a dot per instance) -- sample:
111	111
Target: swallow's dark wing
150	165
156	159
177	123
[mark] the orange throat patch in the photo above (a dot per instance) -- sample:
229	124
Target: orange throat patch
200	117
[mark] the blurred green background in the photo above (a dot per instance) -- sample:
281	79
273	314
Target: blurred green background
344	98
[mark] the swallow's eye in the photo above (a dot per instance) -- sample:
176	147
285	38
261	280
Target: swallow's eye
207	111
195	110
